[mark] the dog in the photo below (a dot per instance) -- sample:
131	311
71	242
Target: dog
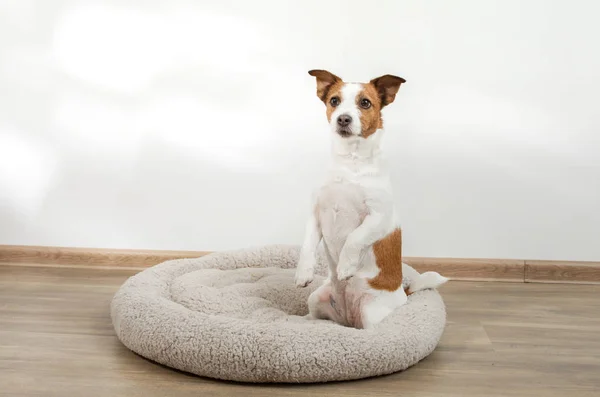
353	212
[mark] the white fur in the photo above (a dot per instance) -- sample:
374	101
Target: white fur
353	209
348	106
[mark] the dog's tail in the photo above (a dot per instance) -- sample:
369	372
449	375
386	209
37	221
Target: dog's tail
425	281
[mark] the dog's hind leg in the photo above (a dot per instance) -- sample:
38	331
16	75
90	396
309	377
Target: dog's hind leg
318	303
380	305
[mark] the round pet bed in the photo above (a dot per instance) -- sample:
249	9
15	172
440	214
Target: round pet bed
239	316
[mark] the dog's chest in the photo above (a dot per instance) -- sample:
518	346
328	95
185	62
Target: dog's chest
341	208
342	197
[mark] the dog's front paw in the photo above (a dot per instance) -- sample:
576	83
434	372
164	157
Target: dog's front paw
348	263
345	272
304	276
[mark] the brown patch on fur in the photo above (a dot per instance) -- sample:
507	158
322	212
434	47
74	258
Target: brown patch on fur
325	80
328	86
335	90
388	256
370	119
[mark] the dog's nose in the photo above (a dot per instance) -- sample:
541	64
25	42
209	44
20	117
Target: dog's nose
343	120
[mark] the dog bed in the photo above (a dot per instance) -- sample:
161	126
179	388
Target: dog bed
238	316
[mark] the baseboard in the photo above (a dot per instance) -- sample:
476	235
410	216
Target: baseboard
510	270
576	272
472	269
89	257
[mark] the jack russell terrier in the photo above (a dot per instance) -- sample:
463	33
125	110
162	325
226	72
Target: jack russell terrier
353	212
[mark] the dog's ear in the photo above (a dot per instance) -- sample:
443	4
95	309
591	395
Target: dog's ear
325	80
387	86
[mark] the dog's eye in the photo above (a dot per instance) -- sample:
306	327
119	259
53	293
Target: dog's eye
365	103
334	101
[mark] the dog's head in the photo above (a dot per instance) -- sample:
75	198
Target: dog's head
354	109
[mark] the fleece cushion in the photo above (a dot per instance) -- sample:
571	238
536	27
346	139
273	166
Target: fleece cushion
238	316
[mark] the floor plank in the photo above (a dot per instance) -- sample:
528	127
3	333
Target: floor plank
502	339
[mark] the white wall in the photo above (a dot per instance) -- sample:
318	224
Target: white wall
194	125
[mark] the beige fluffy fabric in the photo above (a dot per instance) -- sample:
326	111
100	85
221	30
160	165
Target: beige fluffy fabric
238	316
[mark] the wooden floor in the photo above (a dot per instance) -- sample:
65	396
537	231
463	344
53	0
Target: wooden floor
502	339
